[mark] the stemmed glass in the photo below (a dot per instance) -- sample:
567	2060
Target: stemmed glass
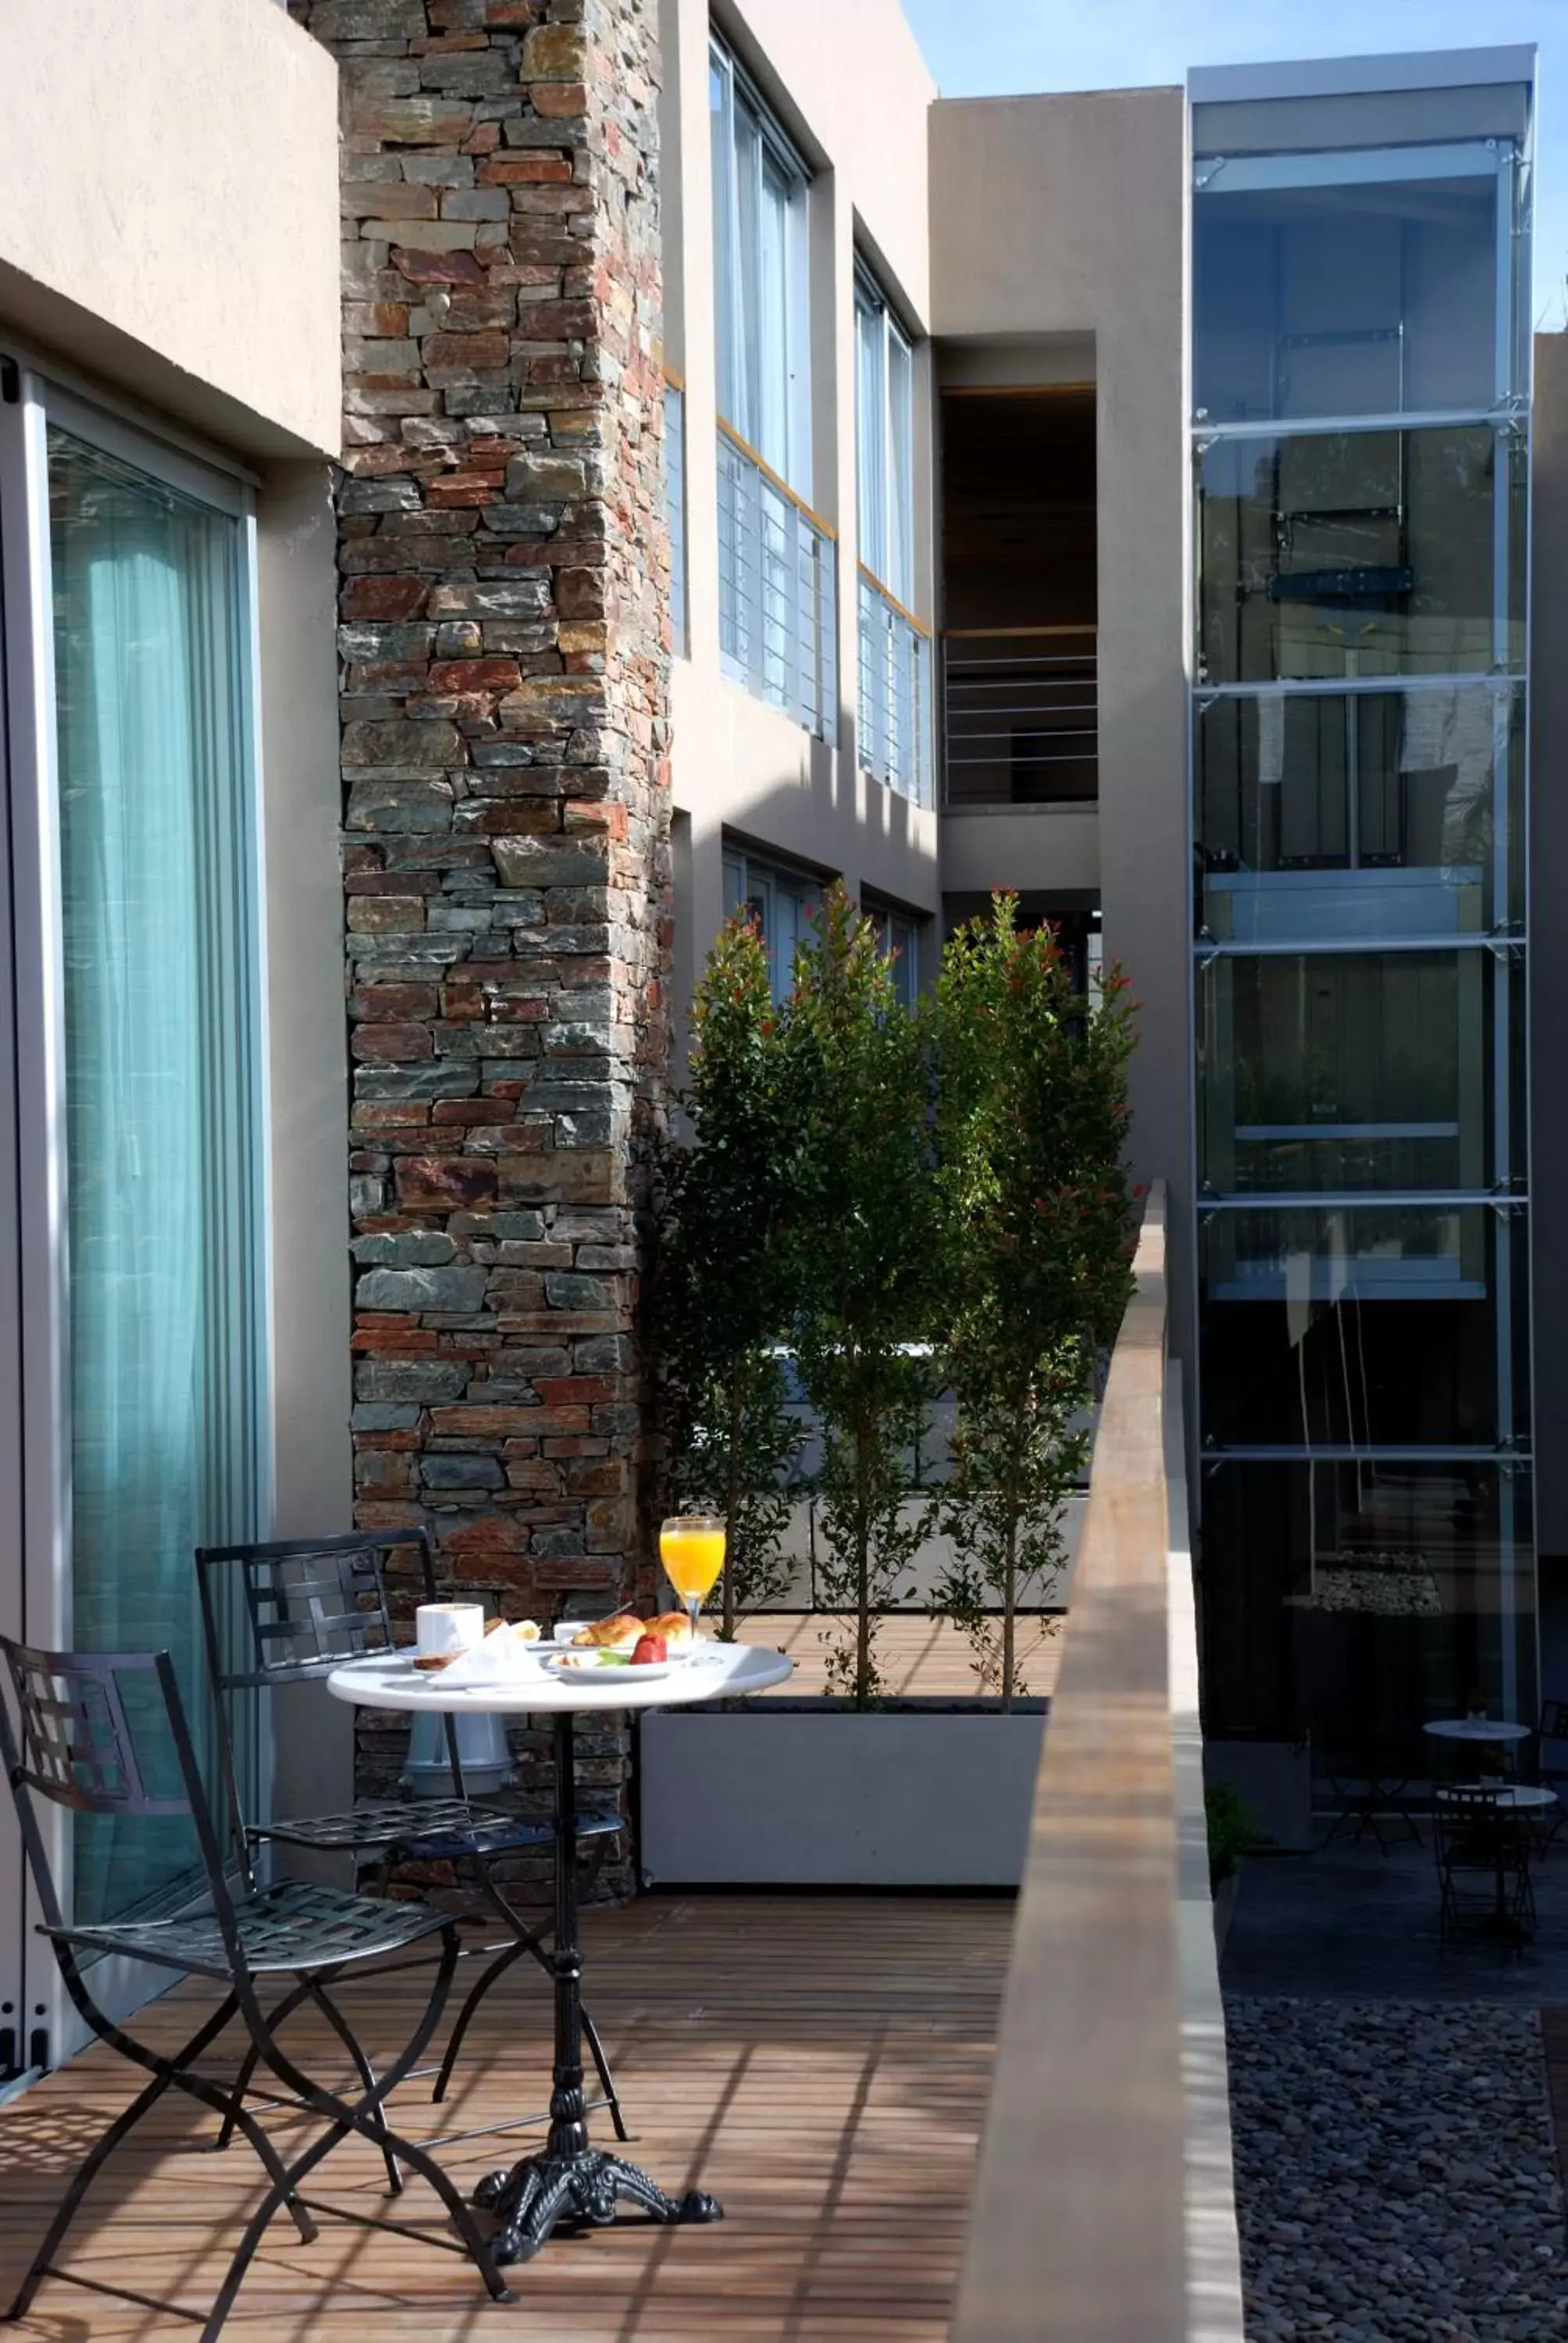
691	1548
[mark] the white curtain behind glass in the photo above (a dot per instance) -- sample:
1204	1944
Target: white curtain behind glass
759	281
158	947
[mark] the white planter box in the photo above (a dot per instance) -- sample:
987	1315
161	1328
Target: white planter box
811	1794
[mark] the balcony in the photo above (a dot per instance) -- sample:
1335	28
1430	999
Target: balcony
823	2064
895	699
778	611
1022	716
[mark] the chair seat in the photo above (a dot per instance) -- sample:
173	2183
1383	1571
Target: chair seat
293	1927
434	1830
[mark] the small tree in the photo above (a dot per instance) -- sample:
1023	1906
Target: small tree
1033	1204
723	1282
865	1261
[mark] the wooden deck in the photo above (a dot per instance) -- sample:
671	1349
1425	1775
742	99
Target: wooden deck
921	1657
821	2064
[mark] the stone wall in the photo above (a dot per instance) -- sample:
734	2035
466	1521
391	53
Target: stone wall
504	643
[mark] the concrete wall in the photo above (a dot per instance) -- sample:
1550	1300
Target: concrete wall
1067	217
1549	956
168	209
735	762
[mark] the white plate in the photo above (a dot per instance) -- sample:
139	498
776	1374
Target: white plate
558	1663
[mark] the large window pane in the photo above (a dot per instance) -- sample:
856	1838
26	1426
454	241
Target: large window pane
1322	1073
759	276
1353	1603
1376	815
1361	553
1371	299
159	941
1372	1326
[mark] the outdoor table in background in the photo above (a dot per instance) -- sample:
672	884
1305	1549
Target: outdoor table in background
1482	1729
568	2180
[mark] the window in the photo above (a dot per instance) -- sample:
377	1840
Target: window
778	604
675	507
759	276
894	728
884	441
899	933
781	902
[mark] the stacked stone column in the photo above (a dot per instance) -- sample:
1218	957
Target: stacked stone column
504	647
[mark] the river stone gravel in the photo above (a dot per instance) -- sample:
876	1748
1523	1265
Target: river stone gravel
1395	2175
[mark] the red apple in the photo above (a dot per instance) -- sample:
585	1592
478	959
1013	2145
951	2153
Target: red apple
648	1648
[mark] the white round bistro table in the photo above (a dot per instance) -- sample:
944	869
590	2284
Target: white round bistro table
568	2180
1493	1729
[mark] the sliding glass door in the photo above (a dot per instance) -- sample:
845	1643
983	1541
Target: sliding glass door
156	956
131	789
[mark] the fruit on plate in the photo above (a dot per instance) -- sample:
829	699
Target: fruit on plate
648	1649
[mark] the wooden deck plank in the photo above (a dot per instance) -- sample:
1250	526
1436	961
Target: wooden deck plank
821	2063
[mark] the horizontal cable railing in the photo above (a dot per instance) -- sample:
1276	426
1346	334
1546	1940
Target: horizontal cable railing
1104	2208
778	619
895	693
1022	715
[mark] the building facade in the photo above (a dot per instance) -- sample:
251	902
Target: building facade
712	485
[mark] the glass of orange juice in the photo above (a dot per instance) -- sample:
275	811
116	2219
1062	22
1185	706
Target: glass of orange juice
691	1548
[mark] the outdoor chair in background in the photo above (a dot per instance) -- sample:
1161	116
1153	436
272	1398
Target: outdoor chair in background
74	1747
1372	1781
1551	1766
1482	1850
298	1608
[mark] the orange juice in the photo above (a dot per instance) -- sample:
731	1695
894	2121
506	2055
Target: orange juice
692	1553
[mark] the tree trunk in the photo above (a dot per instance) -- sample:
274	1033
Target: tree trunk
731	1499
1010	1567
862	1572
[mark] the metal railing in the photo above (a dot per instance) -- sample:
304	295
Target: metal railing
1021	712
894	727
1104	2208
778	613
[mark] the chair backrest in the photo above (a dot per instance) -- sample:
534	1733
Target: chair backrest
304	1605
1466	1820
1553	1725
74	1745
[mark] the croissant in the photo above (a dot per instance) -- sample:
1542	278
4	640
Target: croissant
616	1635
674	1626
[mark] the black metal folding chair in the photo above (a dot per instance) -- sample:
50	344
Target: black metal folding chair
1482	1850
1550	1771
304	1606
76	1748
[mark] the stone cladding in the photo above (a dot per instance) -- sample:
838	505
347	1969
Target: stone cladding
504	673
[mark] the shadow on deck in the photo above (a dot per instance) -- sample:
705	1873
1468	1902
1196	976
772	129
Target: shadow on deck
821	2063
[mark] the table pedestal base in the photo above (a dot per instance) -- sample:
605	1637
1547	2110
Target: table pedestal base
532	2200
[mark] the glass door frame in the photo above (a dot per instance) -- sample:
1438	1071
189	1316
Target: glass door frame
34	1365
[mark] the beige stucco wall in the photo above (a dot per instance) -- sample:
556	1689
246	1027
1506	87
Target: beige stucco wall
168	209
1066	215
735	762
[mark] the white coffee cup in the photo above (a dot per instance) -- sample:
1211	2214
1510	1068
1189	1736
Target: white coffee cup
442	1627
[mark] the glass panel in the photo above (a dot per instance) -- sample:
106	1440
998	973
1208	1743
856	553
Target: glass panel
1375	1325
871	425
675	510
1356	1602
1347	1071
1345	298
158	944
900	571
1361	553
1372	815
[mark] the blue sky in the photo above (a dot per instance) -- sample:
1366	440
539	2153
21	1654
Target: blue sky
981	47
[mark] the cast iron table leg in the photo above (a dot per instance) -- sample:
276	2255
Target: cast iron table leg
568	2180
